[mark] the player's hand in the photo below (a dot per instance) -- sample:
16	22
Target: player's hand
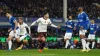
14	31
58	27
94	32
81	27
74	28
69	26
9	30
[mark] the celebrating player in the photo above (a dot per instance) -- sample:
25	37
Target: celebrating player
23	32
69	30
43	22
83	23
91	37
14	30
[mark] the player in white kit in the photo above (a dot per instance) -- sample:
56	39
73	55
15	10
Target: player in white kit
23	31
43	22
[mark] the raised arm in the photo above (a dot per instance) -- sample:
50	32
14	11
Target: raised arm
35	22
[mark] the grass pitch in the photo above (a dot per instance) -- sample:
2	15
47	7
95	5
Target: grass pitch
50	52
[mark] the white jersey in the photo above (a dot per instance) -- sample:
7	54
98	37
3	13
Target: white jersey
22	28
42	24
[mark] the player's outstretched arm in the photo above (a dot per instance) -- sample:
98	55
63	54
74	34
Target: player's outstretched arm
9	29
28	29
35	22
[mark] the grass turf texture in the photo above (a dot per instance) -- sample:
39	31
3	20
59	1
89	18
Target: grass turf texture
50	52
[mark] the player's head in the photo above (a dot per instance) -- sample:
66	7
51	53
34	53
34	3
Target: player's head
70	17
20	20
80	9
46	15
8	14
92	21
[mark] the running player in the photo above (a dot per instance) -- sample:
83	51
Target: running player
23	32
14	30
69	30
91	37
43	22
83	23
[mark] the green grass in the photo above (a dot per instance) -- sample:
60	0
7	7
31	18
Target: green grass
50	52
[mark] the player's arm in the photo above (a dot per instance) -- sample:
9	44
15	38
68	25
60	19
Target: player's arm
9	29
51	24
35	22
28	28
97	28
86	17
69	26
16	24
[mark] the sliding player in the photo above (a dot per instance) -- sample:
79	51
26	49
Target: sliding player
14	30
43	22
23	32
91	37
83	23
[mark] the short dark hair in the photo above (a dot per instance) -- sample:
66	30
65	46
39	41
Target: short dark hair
8	12
20	18
45	12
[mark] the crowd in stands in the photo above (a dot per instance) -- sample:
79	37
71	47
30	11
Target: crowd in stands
35	8
92	10
32	8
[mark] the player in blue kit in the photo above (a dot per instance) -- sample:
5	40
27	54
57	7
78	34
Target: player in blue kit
14	30
91	37
83	23
69	30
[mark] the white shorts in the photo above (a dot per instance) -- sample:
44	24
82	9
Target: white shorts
82	32
16	35
91	36
68	35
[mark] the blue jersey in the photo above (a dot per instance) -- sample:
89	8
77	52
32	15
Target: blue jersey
11	21
83	20
93	28
68	24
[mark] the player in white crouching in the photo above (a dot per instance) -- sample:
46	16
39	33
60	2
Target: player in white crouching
23	32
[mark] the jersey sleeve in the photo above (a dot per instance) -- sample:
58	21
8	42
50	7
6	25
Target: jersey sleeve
38	20
52	24
28	28
86	17
97	28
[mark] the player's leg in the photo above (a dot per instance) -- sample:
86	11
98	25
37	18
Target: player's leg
17	35
71	43
67	37
40	35
21	42
93	41
82	36
10	40
43	39
88	42
98	42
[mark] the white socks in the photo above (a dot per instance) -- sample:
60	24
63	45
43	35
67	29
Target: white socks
67	42
87	45
93	43
83	44
9	44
